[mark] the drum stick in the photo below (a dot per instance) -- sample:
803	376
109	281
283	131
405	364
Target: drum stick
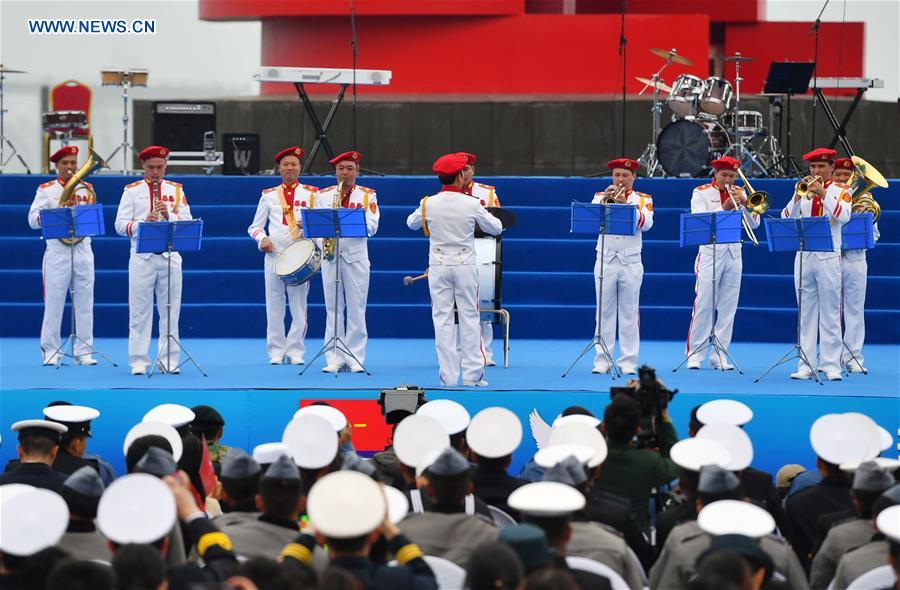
407	281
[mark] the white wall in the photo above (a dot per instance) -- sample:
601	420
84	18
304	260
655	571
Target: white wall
187	59
881	55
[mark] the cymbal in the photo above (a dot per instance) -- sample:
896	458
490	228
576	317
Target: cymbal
738	57
671	54
6	70
507	219
662	87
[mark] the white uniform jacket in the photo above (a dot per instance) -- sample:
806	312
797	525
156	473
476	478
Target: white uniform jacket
835	205
137	204
47	197
451	217
628	248
485	193
708	199
354	249
270	212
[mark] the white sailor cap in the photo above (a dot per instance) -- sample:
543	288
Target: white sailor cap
886	440
311	440
417	437
884	463
546	498
154	428
581	433
550	456
268	453
494	432
397	504
724	411
49	428
31	519
334	416
175	415
838	439
591	421
734	517
76	418
136	508
452	415
869	430
888	523
734	439
694	453
346	504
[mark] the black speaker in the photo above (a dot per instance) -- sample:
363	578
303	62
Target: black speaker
180	125
241	153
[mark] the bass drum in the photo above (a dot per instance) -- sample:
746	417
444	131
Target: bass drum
686	147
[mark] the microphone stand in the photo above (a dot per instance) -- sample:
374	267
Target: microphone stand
814	29
623	53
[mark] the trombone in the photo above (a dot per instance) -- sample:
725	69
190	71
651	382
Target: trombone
757	203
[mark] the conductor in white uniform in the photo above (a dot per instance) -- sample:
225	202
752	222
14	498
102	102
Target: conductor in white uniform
448	219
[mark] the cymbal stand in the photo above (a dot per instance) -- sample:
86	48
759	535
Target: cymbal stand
4	141
648	158
738	148
770	153
125	146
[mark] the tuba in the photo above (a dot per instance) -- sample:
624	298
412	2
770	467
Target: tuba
864	178
328	243
67	198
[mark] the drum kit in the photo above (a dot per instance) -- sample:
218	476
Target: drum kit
707	121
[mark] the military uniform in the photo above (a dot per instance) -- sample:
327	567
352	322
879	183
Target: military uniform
487	196
805	508
39	475
263	537
83	541
452	535
57	269
495	487
270	213
676	563
758	486
860	560
839	540
583	579
668	519
615	511
148	273
854	276
593	541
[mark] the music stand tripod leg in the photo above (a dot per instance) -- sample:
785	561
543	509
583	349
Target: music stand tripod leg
846	365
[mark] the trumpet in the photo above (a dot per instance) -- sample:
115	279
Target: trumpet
744	222
802	187
613	198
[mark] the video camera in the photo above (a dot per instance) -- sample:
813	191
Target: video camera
653	397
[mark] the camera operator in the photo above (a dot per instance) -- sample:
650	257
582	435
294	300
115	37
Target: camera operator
629	470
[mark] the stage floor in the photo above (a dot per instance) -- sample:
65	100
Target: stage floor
535	366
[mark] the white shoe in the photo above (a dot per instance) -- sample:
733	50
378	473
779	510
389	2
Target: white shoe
138	370
481	383
833	375
357	368
855	367
725	366
802	374
276	360
629	370
52	362
490	363
331	368
693	365
600	368
161	368
295	361
87	361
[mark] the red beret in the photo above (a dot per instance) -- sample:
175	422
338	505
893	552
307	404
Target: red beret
845	164
153	151
69	150
351	156
626	163
470	158
295	151
726	163
449	164
820	155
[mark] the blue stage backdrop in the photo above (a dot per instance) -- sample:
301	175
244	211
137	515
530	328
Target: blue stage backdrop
547	281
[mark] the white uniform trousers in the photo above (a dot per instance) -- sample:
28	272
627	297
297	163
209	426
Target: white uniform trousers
487	336
448	285
821	310
277	344
57	272
353	297
855	275
728	289
621	300
147	276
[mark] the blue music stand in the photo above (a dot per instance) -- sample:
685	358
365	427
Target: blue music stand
859	232
701	229
81	221
335	224
804	234
166	237
602	219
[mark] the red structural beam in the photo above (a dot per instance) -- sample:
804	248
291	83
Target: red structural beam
526	55
840	50
256	9
718	11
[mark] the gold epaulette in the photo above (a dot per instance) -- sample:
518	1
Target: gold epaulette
322	190
311	188
87	184
269	190
487	186
366	190
48	183
645	195
134	184
703	187
172	182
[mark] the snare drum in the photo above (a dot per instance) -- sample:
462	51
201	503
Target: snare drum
749	123
297	263
685	92
63	120
717	96
124	77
